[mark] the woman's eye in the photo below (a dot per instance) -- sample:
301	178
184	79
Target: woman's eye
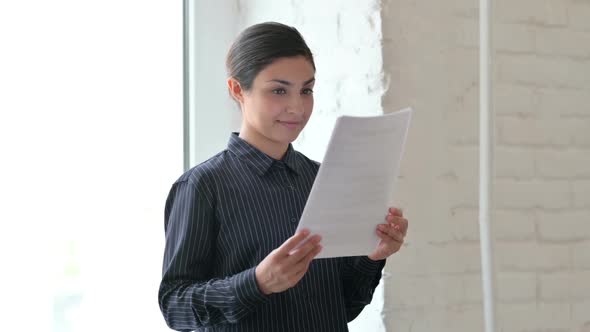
307	91
279	91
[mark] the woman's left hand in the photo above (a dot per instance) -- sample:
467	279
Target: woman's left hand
392	234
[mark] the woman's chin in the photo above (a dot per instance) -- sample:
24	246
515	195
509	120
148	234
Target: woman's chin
286	136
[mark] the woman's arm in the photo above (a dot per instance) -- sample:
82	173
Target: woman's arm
360	277
188	297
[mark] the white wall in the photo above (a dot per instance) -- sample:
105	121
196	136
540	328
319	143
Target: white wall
213	115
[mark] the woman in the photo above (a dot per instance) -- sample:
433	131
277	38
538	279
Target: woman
229	261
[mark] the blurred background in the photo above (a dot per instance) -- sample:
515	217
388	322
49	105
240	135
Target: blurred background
92	132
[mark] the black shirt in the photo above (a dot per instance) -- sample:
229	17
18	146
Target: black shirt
222	218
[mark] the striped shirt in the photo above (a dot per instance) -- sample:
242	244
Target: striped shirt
222	218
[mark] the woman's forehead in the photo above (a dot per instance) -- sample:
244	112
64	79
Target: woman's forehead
296	70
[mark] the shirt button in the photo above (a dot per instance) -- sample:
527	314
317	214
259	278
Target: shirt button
293	220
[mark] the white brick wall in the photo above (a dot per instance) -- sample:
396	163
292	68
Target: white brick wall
542	187
542	12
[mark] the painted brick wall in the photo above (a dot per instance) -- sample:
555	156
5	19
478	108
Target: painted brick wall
542	190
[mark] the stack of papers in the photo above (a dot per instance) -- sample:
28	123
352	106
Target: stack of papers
356	183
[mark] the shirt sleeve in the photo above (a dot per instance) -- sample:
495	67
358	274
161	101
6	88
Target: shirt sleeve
360	277
189	298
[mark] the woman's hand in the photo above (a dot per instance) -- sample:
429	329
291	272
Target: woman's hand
392	235
284	267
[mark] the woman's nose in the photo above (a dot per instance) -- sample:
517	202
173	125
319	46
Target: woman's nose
296	105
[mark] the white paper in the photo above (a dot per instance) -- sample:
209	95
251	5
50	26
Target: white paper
356	183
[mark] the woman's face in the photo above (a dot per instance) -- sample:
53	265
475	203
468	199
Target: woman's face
279	103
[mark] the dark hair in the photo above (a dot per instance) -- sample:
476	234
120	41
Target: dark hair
258	46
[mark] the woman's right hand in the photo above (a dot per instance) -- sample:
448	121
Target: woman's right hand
284	267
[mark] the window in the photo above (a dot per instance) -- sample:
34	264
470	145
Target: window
91	140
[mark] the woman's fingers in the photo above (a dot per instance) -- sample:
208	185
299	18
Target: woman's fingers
391	232
398	223
392	243
303	265
300	253
292	242
396	211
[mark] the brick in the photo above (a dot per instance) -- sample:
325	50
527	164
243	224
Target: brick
401	318
466	62
546	131
569	225
530	317
580	316
579	131
458	318
564	102
455	258
513	225
563	163
404	295
437	232
578	12
533	131
472	285
581	193
436	229
458	194
565	286
462	163
562	42
462	127
469	100
543	72
514	162
544	12
514	100
464	224
466	33
507	37
464	8
514	38
441	319
447	290
525	257
411	262
507	225
530	194
581	256
516	287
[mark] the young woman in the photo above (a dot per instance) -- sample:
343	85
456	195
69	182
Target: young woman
229	263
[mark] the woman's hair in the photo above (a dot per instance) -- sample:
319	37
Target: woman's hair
261	44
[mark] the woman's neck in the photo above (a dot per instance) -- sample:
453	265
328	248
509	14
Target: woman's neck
275	150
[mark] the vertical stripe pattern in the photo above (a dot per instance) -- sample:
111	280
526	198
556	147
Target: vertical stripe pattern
222	218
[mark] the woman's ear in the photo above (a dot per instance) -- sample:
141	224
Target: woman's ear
235	89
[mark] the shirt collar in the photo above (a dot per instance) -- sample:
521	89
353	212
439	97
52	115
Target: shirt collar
260	160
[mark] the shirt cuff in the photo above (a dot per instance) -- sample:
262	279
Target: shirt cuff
368	266
246	288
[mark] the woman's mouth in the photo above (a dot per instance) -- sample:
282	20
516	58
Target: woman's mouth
290	124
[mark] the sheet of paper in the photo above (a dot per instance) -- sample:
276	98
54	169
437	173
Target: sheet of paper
356	183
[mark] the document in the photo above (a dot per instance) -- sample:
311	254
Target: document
356	183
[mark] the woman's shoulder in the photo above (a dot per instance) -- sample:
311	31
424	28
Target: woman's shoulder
306	161
205	172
